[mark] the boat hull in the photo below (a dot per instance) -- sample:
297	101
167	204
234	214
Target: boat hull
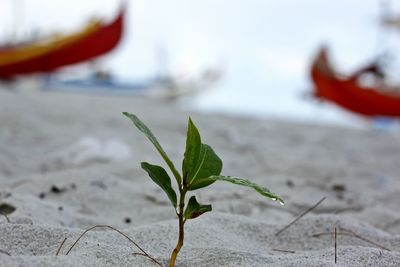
348	94
93	41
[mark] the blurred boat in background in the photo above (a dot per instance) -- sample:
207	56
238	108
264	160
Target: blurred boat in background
163	87
376	100
45	56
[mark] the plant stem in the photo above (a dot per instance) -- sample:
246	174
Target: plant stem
179	245
118	231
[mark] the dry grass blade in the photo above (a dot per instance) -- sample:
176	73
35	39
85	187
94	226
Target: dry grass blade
62	244
5	216
300	216
139	254
352	234
5	252
283	250
121	233
335	246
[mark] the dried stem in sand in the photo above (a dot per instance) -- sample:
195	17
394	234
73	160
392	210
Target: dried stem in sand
346	232
300	216
143	253
62	244
5	252
335	246
5	216
283	250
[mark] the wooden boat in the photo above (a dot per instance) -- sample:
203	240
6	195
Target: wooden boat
45	56
348	93
162	87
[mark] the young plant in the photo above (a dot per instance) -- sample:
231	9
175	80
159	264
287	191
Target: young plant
200	168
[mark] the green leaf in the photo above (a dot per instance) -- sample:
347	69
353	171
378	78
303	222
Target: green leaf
200	183
192	152
160	177
243	182
209	164
194	209
144	129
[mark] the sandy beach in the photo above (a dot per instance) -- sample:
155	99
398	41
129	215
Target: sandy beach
72	161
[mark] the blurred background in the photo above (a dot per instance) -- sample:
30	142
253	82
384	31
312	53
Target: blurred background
262	50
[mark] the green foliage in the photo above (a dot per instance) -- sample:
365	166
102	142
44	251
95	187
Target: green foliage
209	164
201	167
192	152
160	177
243	182
144	129
200	161
194	209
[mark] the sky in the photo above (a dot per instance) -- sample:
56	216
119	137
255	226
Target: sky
265	47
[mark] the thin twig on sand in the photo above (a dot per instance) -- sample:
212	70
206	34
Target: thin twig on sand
62	244
5	252
352	234
139	254
283	250
121	233
335	248
300	216
5	216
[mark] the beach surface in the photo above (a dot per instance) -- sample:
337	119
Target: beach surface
72	161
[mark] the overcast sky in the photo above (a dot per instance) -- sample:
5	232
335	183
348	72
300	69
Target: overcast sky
265	46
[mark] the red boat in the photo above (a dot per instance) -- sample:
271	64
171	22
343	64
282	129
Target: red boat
349	93
96	39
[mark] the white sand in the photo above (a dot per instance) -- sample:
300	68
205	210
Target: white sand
85	147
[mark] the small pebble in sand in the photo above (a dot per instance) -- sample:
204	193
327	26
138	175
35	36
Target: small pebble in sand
338	187
127	220
290	183
42	195
57	190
